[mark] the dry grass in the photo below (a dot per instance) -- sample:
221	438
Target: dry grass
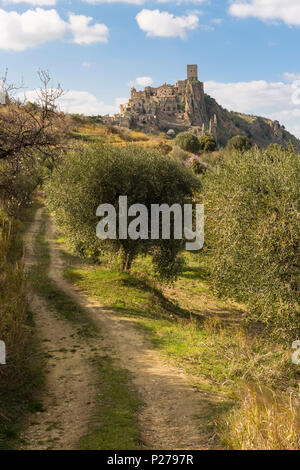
263	421
12	299
21	377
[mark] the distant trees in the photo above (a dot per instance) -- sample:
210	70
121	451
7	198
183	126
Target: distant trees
94	175
241	143
191	143
187	141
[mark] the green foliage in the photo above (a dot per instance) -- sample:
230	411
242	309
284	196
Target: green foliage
93	175
187	141
252	230
275	148
207	143
164	148
241	143
197	166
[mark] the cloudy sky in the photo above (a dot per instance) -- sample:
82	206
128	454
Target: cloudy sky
246	50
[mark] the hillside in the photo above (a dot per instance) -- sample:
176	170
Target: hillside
260	130
185	106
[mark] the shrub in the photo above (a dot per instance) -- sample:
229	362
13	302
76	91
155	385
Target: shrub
164	148
179	154
187	141
94	175
241	143
252	230
208	143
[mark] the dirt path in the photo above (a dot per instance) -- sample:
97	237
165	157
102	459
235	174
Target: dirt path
168	419
70	390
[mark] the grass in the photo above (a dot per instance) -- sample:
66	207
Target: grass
265	421
208	342
99	133
115	423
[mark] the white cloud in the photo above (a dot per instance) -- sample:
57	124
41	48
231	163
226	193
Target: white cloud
270	99
217	20
84	102
291	77
287	11
31	28
164	24
206	27
141	82
20	31
80	102
84	33
141	2
41	3
133	2
86	65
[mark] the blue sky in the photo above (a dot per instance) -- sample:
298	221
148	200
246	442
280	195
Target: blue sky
246	50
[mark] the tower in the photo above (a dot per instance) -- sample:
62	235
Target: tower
192	72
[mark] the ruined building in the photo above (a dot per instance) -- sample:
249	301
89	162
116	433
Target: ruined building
180	106
185	106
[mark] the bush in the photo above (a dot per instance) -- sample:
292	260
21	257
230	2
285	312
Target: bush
187	141
179	154
208	143
164	148
94	175
196	165
252	230
241	143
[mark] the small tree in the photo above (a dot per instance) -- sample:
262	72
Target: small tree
208	143
94	175
26	129
187	141
32	136
242	143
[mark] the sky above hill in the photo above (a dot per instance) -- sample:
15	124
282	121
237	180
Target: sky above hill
246	50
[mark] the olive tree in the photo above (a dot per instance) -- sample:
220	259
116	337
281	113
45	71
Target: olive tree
187	141
91	175
252	207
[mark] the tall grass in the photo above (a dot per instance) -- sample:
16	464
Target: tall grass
263	421
21	377
12	300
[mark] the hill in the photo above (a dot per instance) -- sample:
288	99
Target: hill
185	106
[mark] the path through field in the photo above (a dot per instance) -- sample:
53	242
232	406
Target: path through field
173	415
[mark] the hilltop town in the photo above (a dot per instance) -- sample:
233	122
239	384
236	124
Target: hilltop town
185	106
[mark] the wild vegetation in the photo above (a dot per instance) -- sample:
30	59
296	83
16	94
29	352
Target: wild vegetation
226	316
100	175
31	140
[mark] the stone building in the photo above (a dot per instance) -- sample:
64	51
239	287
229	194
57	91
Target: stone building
180	106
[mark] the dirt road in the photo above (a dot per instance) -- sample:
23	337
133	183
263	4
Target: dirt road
174	413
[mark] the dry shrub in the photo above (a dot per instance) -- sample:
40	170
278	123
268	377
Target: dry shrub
12	304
